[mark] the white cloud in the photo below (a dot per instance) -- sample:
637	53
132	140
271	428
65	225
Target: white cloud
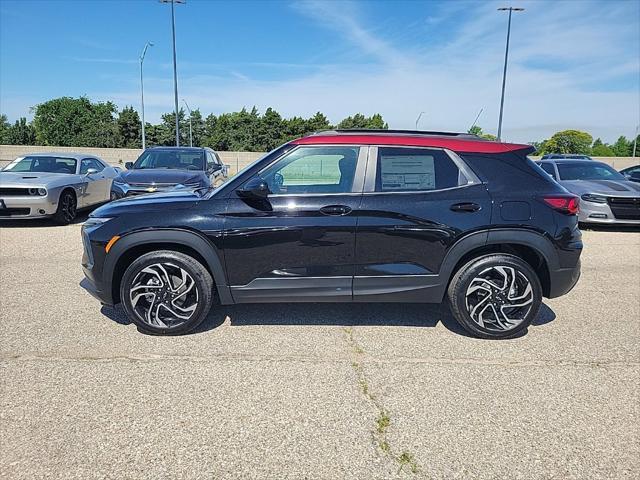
572	65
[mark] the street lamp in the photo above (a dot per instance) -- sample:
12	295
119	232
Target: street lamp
175	69
506	56
190	127
418	119
144	51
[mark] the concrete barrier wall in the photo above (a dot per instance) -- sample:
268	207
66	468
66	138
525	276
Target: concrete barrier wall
235	160
118	156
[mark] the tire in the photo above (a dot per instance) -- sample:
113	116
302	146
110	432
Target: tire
67	208
166	293
495	296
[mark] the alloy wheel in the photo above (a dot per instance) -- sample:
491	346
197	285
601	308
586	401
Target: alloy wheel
499	298
164	295
68	207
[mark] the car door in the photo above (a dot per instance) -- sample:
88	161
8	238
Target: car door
98	184
417	202
299	242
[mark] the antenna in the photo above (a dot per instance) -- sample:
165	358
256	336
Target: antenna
476	120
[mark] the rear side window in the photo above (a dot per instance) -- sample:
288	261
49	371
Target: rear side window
415	169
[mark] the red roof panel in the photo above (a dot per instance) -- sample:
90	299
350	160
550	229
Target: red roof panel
463	145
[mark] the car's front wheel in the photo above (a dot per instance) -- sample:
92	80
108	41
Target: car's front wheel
166	292
495	296
67	208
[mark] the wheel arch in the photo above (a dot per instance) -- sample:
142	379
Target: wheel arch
133	245
530	246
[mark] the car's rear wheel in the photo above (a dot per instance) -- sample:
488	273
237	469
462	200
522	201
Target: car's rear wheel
67	208
166	292
495	296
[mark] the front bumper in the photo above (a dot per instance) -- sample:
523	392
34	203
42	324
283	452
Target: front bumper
18	207
601	214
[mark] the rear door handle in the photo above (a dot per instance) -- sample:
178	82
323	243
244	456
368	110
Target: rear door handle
465	207
336	210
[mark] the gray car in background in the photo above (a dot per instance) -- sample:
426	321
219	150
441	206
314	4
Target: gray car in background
606	196
53	185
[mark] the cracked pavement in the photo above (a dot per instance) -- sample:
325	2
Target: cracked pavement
270	391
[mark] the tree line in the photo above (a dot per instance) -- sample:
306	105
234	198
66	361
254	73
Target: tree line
79	122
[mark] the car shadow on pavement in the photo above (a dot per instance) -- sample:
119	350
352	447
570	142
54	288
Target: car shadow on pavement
42	222
332	314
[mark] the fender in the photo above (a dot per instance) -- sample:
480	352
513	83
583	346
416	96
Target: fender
183	237
519	236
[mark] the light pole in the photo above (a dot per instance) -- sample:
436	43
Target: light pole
506	56
175	69
144	51
418	119
190	127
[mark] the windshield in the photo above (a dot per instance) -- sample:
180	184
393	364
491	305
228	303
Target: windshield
175	159
587	171
42	165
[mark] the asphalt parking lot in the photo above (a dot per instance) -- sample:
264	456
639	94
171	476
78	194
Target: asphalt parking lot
314	391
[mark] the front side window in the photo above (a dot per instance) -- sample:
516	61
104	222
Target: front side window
415	169
43	165
88	163
548	167
313	170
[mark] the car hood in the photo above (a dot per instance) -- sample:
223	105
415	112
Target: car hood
173	200
617	188
156	176
28	179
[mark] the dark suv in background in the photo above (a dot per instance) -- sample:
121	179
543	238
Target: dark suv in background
160	169
347	216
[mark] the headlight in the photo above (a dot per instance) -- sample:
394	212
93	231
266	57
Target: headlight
37	191
119	181
93	222
594	198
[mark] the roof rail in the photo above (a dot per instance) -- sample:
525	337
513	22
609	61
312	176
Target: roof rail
379	131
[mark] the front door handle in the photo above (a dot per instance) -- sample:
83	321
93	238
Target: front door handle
335	210
465	207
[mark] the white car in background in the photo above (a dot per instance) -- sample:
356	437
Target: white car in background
53	185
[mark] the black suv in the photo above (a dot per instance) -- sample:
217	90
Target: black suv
160	169
347	216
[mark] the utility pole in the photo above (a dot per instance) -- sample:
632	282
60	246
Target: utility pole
144	51
190	127
175	68
506	57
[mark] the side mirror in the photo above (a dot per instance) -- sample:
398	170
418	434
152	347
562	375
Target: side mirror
254	188
128	165
91	171
215	167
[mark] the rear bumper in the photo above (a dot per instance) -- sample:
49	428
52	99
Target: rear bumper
563	280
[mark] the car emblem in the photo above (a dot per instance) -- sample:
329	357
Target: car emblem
152	189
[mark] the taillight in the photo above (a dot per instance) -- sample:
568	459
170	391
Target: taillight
568	204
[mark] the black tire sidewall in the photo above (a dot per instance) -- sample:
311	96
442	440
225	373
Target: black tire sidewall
464	276
59	215
201	276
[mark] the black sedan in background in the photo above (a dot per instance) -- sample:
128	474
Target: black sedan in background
160	169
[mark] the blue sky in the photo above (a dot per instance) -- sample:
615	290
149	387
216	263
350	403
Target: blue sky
573	64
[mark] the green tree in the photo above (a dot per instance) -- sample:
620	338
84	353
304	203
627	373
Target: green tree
165	133
600	149
5	126
198	127
477	130
129	128
76	122
621	147
317	123
568	141
22	133
270	131
360	121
